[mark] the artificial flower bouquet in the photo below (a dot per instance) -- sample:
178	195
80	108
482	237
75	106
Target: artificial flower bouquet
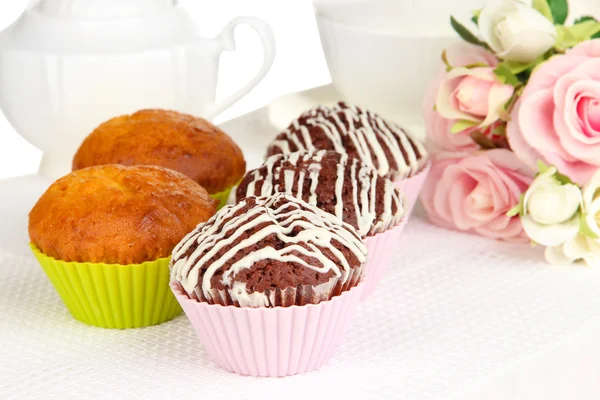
513	122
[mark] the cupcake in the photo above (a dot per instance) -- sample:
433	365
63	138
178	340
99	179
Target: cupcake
104	235
192	146
344	186
269	284
344	128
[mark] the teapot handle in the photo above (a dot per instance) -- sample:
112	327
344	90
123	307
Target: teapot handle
226	37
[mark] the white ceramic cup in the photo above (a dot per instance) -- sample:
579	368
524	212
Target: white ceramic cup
384	71
406	17
382	54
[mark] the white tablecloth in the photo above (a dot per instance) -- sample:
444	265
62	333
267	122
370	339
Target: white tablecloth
457	316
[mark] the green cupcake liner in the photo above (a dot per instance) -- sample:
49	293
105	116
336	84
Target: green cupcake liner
113	295
222	197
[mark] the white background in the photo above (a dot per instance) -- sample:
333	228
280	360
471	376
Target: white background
299	63
523	311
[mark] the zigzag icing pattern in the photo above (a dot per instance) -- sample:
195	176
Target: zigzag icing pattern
380	144
303	229
291	173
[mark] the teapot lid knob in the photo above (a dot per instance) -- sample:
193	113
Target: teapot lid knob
98	9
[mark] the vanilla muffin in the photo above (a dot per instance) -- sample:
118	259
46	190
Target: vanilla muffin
117	214
181	142
344	128
104	235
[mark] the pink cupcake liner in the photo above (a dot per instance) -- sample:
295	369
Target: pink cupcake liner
411	187
380	252
271	342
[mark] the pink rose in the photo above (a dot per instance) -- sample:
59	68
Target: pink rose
557	119
473	192
438	128
473	94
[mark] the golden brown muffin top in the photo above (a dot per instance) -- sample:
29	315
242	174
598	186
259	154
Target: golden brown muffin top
181	142
117	215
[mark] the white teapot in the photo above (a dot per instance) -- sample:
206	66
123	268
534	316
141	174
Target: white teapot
68	65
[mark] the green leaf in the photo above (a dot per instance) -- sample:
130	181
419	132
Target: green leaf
517	67
570	36
516	210
519	209
585	30
476	15
504	115
563	179
522	203
583	19
585	229
560	10
565	39
465	34
587	18
445	61
476	65
505	75
462	125
542	167
524	76
508	107
543	7
499	130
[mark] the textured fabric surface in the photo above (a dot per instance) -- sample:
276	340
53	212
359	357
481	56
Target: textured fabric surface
452	312
453	309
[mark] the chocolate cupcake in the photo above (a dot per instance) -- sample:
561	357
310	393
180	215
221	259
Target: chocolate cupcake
269	252
362	134
335	183
270	284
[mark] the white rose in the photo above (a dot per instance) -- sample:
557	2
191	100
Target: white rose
580	248
516	31
551	209
591	204
584	247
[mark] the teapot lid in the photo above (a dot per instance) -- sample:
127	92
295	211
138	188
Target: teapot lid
98	9
99	26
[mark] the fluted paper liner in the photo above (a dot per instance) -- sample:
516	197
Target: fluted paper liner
380	253
411	187
293	296
222	197
271	342
113	295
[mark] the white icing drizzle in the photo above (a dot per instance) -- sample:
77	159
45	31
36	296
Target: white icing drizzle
318	230
361	178
371	135
314	170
